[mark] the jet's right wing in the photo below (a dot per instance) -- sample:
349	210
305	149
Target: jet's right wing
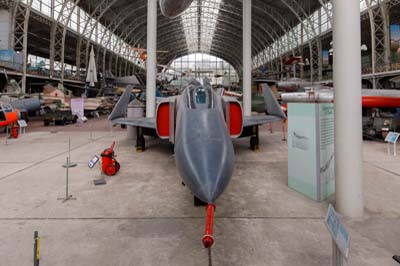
118	115
257	120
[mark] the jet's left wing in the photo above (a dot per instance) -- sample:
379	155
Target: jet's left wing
136	122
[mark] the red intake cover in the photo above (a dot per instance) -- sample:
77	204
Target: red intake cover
163	120
235	119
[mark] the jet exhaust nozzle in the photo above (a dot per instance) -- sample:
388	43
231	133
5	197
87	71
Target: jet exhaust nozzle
208	239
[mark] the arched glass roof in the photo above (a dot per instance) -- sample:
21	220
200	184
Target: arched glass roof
199	23
209	26
201	65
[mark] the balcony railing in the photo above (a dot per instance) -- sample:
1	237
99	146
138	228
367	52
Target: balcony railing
382	68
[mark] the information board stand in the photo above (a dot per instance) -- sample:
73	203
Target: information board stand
22	126
340	237
391	140
311	156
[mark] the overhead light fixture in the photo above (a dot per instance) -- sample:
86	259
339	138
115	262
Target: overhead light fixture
364	48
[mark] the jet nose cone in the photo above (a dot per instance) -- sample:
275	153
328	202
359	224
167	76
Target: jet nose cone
173	8
206	166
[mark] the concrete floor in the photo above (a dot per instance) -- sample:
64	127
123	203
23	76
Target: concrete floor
144	216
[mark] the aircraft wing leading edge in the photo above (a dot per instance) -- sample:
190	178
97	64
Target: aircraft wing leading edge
118	115
136	122
249	121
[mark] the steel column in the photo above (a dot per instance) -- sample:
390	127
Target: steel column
247	63
151	64
348	115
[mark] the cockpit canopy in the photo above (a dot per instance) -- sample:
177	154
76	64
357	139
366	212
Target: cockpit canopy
200	97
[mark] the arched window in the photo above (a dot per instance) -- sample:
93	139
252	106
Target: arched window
199	65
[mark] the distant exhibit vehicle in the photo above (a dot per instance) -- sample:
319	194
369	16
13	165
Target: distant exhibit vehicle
381	108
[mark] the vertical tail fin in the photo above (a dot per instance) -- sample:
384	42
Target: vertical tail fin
272	106
122	105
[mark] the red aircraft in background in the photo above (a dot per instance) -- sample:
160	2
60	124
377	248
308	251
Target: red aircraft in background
9	118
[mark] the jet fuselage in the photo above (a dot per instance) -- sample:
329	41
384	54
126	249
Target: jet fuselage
204	152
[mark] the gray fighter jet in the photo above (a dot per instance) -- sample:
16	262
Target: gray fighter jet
201	125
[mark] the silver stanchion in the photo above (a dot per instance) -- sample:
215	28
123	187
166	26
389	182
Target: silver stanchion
91	131
68	165
337	257
6	135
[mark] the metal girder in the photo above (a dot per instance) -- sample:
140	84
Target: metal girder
126	32
268	31
263	10
114	25
5	4
258	23
169	43
275	16
328	11
296	9
57	37
218	43
316	60
265	33
301	15
21	16
380	39
119	61
126	68
260	41
174	36
182	50
83	44
118	20
141	37
379	19
223	52
282	22
392	3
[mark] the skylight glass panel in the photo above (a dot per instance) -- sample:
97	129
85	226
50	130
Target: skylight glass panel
199	24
